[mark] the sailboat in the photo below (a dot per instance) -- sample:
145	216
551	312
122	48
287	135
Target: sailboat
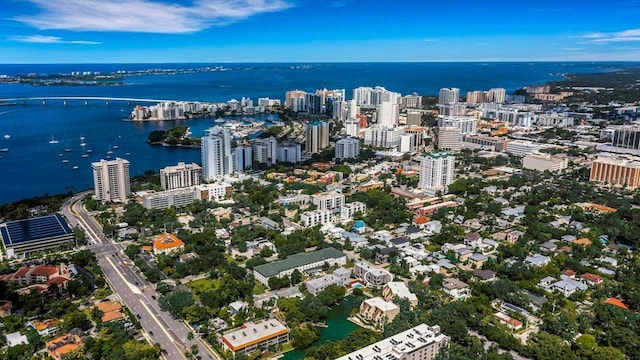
84	152
53	140
67	148
82	143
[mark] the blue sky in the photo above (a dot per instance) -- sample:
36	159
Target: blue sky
89	31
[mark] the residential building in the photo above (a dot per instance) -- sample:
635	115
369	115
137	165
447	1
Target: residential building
373	276
387	114
317	136
300	262
349	210
59	347
264	150
466	124
217	158
111	311
289	151
486	142
544	162
352	127
456	288
295	100
378	311
436	172
16	338
380	136
414	118
243	157
259	334
111	181
537	260
400	290
21	237
448	96
347	148
296	199
328	200
180	176
177	198
413	101
317	217
616	170
339	277
421	342
166	244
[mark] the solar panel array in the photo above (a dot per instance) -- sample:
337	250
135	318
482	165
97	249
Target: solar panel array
34	229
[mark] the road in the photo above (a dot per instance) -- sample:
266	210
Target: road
132	289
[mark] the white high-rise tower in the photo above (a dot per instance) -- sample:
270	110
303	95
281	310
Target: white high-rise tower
217	158
436	172
111	181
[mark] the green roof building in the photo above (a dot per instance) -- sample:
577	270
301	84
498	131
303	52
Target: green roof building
301	262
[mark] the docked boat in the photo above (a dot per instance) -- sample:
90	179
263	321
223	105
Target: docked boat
219	120
53	140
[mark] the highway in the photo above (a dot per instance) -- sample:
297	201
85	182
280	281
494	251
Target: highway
132	289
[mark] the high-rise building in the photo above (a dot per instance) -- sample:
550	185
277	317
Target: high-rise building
448	96
352	109
243	157
313	104
363	96
387	114
289	152
379	136
217	158
295	100
180	176
475	97
496	95
264	150
466	124
449	138
317	136
626	137
436	172
413	101
352	128
111	181
347	148
414	118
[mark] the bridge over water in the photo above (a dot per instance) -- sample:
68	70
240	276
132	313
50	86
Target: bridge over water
85	99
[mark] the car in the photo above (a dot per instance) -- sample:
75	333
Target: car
164	351
153	297
138	317
137	283
150	333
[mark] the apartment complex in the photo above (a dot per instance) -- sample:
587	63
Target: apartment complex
436	172
111	180
217	158
347	148
317	136
253	335
180	176
378	311
421	342
300	261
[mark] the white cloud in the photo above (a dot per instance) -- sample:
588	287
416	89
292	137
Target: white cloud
147	16
42	39
630	35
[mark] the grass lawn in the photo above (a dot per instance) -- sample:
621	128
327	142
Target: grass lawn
203	285
258	288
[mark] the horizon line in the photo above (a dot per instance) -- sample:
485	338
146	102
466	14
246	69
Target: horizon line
328	62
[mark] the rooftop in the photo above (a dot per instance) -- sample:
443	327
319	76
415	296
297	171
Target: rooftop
253	333
34	229
297	260
167	241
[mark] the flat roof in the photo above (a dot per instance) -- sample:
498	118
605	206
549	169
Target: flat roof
395	346
34	229
253	333
297	260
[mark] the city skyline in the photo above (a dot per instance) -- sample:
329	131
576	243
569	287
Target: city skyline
150	31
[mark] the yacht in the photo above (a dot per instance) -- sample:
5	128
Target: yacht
114	147
61	154
4	150
7	136
65	161
53	140
75	167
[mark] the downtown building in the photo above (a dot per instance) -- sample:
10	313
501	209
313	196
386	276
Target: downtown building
380	136
217	158
295	100
265	150
436	172
180	176
317	136
242	157
387	114
111	181
616	170
289	151
347	148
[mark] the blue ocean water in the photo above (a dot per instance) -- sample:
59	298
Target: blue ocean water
33	167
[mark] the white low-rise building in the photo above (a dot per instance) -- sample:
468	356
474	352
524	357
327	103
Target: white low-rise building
317	217
399	289
348	211
543	162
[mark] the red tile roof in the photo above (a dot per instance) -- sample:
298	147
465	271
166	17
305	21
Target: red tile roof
44	270
616	302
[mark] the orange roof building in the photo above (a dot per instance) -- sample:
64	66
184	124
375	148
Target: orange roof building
166	243
111	311
616	302
582	241
59	347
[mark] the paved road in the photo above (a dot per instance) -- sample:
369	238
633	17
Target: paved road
132	289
